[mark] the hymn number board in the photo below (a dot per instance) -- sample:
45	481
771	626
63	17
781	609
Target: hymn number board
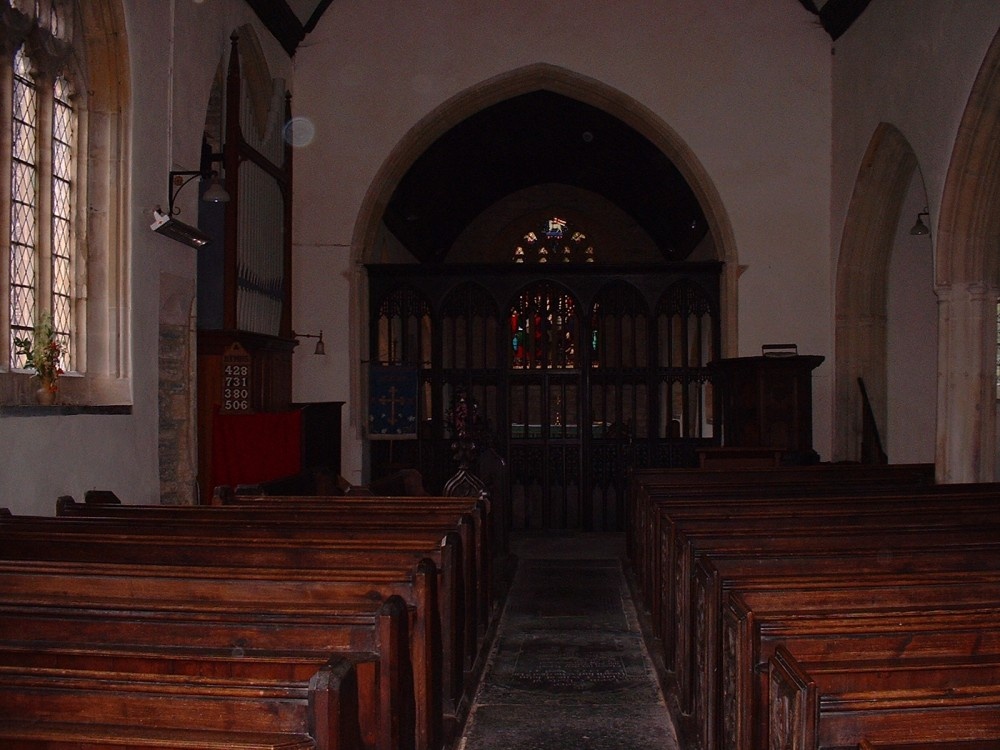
236	379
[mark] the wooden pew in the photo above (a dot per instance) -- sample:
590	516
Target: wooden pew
990	744
656	498
377	562
756	622
376	513
379	518
802	552
92	651
800	526
480	508
825	499
664	482
708	504
717	573
838	703
276	614
691	528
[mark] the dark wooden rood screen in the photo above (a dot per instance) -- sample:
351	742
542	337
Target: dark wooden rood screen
577	371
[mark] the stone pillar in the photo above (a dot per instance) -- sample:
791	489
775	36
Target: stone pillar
966	401
177	377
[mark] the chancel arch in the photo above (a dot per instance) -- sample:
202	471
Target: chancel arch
369	236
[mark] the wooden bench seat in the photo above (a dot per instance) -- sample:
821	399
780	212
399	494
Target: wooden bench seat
160	710
717	573
363	505
292	547
31	735
730	511
377	520
945	556
156	607
749	639
653	499
990	744
88	658
838	703
770	517
837	527
643	482
859	567
377	513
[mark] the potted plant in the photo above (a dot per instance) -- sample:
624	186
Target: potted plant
42	353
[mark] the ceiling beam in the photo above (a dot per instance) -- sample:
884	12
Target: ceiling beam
281	22
836	16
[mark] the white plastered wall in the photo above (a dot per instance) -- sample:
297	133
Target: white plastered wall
745	85
174	49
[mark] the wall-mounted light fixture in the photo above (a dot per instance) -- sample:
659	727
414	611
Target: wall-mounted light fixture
166	224
919	228
320	346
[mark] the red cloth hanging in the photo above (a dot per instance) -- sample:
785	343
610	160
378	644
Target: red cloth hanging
252	448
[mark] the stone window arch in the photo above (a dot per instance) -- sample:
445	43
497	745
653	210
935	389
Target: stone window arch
63	98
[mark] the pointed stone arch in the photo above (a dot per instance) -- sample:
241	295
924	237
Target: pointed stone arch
541	76
967	273
862	284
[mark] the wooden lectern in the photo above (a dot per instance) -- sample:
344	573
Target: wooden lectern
766	402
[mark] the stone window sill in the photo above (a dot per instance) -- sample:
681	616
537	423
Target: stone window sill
78	394
62	410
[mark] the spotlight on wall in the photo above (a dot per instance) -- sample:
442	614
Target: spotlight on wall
320	346
920	229
166	224
170	227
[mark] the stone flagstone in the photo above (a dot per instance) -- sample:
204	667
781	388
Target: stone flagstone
569	668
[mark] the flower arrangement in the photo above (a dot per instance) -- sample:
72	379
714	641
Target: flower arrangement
42	353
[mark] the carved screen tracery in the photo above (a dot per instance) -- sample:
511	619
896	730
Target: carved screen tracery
470	354
579	373
685	345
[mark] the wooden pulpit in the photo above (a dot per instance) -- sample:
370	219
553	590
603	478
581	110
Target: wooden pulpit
766	402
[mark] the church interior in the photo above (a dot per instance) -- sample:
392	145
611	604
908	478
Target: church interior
380	372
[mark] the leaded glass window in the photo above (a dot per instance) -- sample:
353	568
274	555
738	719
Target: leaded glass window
64	110
23	203
43	131
63	126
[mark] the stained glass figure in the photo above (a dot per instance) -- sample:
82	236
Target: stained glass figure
555	239
543	329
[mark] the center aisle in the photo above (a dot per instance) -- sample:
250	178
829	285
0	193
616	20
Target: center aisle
569	668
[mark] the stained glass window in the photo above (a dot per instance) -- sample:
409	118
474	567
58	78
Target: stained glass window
554	242
543	329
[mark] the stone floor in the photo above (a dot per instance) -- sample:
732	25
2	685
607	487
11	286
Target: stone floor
569	668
